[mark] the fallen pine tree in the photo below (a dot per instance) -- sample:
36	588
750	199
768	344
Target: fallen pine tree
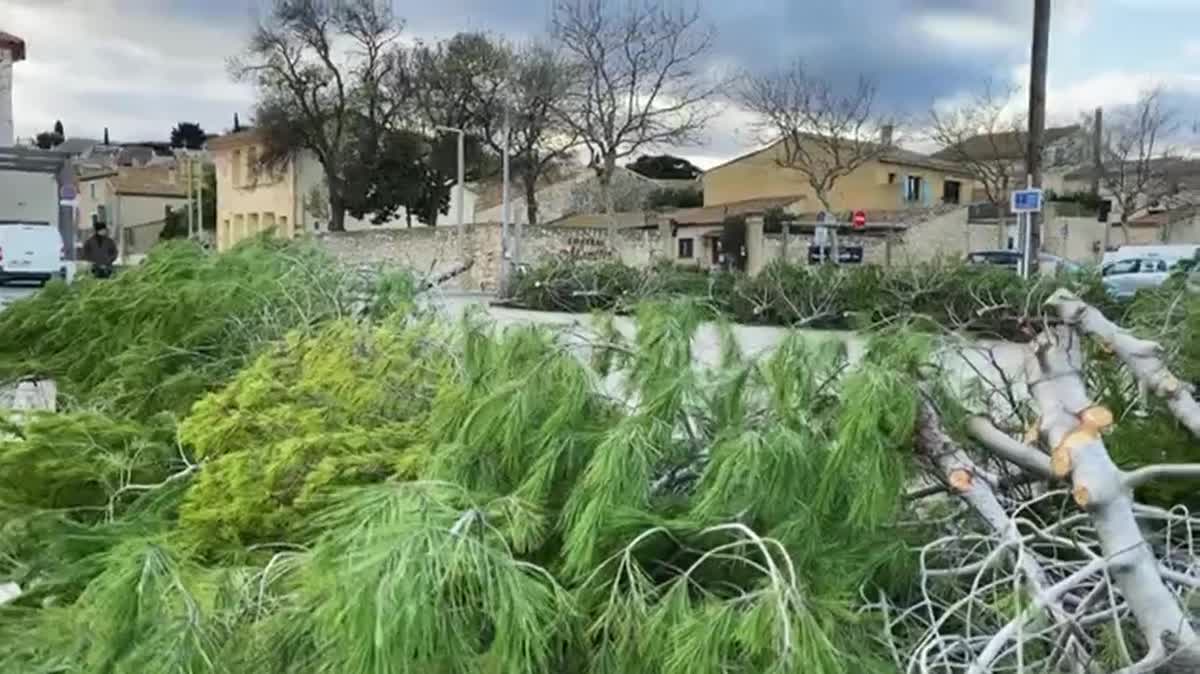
391	492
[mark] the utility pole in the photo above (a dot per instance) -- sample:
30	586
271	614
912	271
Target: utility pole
187	173
1037	121
1098	171
200	204
462	190
1097	150
505	268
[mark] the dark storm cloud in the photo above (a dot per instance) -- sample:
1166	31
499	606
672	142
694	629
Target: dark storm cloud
878	38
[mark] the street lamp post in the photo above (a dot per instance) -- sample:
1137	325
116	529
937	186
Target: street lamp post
462	189
505	217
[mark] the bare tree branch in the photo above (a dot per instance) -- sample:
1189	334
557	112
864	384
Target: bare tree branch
309	96
1009	449
1136	160
641	82
979	136
1143	357
1146	474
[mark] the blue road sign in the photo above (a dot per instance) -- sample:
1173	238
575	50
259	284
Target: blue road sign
1027	201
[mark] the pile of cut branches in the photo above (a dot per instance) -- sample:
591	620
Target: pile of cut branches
396	493
937	296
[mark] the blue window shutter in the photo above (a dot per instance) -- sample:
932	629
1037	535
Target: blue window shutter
927	192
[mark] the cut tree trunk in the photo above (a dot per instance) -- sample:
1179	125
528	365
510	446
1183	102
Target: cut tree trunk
959	472
1072	425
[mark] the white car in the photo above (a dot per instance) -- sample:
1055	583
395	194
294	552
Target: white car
31	251
1124	277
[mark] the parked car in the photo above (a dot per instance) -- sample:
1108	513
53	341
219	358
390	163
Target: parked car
1010	259
1124	277
31	251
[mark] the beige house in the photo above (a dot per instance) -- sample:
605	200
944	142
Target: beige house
1067	148
132	201
290	200
900	179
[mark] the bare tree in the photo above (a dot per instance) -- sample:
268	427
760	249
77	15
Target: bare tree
825	133
641	79
1137	159
313	94
539	83
981	136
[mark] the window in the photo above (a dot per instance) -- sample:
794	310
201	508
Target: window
253	225
223	235
252	164
951	192
283	227
891	178
687	248
237	168
92	189
239	229
912	188
1123	267
268	222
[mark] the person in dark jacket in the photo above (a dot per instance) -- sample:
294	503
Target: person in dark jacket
100	251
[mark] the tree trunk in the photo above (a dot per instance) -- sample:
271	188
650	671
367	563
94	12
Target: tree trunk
337	215
1124	224
337	205
531	205
606	176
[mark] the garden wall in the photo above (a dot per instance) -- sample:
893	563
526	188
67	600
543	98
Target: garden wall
943	233
436	250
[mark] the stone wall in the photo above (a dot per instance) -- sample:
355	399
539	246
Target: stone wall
943	233
430	251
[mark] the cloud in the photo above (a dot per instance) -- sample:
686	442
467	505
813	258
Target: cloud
969	32
140	66
121	65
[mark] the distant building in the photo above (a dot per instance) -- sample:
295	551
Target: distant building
132	201
1067	148
898	179
289	200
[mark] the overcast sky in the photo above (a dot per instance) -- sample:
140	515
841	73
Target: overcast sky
139	66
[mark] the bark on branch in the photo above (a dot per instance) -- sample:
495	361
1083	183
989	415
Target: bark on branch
960	472
1071	425
1143	357
1146	474
997	442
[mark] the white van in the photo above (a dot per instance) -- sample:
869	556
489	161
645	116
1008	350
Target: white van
31	251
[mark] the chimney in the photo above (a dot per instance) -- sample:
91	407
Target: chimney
886	133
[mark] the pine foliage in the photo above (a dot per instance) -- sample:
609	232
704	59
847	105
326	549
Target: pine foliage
378	491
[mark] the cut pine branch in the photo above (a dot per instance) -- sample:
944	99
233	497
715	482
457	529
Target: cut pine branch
1071	425
1143	357
960	472
1013	451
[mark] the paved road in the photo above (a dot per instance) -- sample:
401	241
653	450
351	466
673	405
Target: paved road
11	292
